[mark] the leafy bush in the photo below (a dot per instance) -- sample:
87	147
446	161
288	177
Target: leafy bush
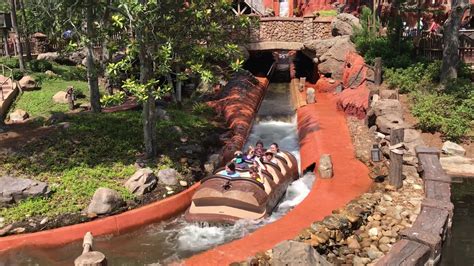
70	72
114	99
17	74
40	65
444	111
371	45
415	77
202	108
10	62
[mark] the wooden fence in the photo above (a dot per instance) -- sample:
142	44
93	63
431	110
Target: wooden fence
430	45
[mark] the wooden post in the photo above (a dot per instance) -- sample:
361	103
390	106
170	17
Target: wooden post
378	71
88	257
396	158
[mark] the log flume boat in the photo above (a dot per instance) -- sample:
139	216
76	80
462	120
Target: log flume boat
224	200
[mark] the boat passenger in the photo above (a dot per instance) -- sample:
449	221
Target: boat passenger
259	145
254	174
239	160
229	171
259	153
250	155
275	149
270	158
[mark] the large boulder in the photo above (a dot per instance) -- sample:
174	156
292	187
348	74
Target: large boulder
168	176
143	181
77	56
104	201
51	56
387	122
12	190
388	106
344	24
453	148
296	253
28	83
60	97
458	165
19	115
330	54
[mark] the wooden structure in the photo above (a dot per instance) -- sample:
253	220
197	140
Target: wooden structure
396	157
430	45
422	243
89	257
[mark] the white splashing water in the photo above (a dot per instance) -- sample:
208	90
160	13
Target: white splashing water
195	237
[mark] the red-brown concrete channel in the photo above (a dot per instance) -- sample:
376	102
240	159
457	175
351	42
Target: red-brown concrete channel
158	233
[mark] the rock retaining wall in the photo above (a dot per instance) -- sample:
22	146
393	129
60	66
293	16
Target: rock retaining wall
281	29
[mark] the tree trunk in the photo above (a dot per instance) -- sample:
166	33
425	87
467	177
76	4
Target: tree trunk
92	78
106	55
17	35
179	85
26	31
149	106
451	60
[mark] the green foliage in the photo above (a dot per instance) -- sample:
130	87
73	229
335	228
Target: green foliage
415	77
114	99
17	74
326	13
40	65
449	110
70	72
371	45
11	62
202	108
97	150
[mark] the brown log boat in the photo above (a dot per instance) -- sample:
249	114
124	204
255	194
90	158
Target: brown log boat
221	199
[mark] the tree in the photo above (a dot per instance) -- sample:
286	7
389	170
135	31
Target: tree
176	39
92	77
451	60
25	30
17	35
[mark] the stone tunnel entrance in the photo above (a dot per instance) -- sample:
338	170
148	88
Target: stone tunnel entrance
287	65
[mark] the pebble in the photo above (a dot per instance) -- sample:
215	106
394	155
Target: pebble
377	217
45	220
417	187
168	188
387	197
352	243
18	230
2	220
5	230
384	247
374	254
384	240
373	231
183	183
358	261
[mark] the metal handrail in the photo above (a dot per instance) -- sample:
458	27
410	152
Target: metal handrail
6	80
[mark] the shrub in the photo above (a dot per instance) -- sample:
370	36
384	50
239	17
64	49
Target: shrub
10	62
419	76
71	72
17	74
202	108
40	65
114	99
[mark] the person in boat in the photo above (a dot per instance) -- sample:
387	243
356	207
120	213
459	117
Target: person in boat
239	160
229	171
275	148
259	145
270	157
255	174
250	155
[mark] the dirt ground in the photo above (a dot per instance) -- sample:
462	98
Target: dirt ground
431	139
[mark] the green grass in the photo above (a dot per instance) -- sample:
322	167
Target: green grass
98	150
327	13
40	103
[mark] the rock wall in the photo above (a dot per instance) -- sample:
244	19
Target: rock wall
279	29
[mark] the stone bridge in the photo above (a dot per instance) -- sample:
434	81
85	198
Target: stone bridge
282	33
